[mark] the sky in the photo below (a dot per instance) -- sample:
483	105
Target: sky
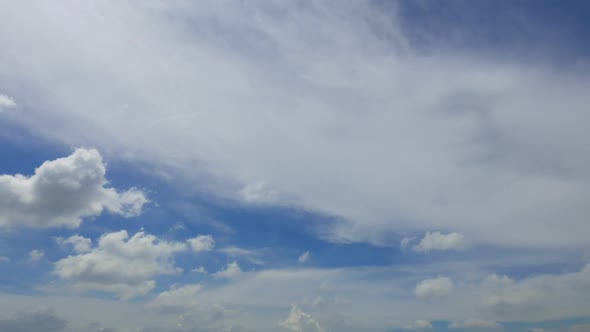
304	166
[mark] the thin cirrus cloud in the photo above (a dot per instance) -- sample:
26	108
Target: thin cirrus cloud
63	192
320	111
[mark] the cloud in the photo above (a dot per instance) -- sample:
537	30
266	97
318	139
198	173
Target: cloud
473	323
232	271
44	320
202	243
178	299
36	255
250	255
200	269
420	325
6	102
438	241
4	259
300	321
64	191
580	328
304	257
301	115
437	287
120	264
79	243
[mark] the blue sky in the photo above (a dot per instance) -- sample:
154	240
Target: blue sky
297	166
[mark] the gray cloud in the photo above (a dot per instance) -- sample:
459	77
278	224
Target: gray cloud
45	321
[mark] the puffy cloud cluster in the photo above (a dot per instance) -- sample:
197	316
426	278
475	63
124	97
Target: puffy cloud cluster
232	271
202	243
437	287
120	264
300	321
64	191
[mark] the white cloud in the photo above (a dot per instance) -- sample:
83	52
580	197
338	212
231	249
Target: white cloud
232	271
4	259
250	255
465	135
304	257
437	287
6	102
62	192
120	264
200	269
473	323
439	241
300	321
406	241
79	243
36	255
420	324
178	299
202	243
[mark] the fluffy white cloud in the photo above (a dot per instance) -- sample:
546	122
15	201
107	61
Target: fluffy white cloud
473	323
300	321
202	243
437	287
232	271
6	102
304	257
420	324
36	255
178	299
78	243
64	191
439	241
120	264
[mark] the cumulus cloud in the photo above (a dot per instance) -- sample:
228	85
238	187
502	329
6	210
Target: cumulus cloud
232	271
304	257
178	299
200	269
300	321
6	102
44	320
437	287
120	264
438	241
473	323
202	243
78	243
64	191
36	255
